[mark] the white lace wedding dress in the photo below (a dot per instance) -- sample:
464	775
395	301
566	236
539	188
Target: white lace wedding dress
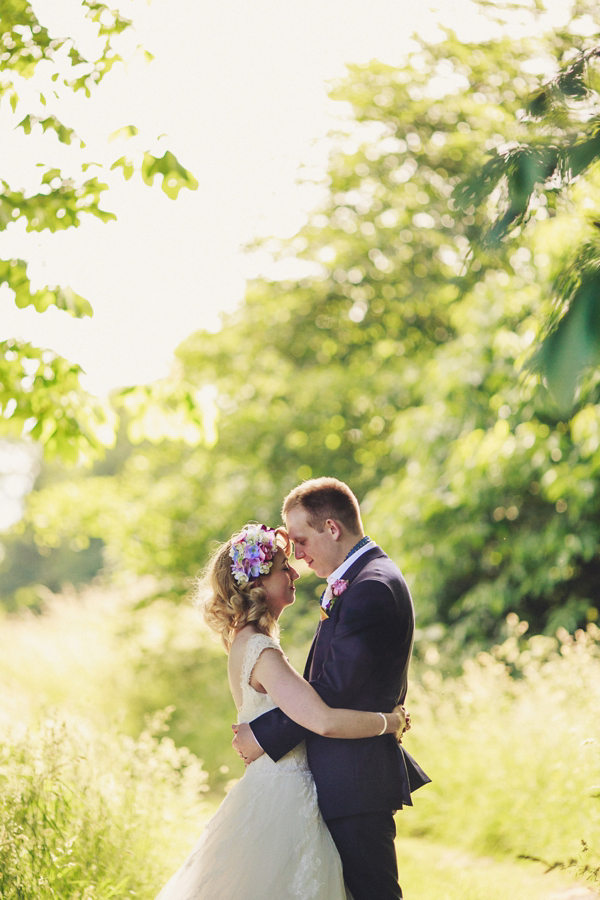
267	840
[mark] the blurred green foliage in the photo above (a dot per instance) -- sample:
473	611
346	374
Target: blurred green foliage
392	364
40	394
556	144
28	571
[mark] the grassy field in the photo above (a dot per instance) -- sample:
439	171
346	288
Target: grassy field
431	871
98	800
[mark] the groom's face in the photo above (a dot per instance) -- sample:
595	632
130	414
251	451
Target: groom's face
320	550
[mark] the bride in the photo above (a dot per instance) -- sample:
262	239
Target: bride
267	839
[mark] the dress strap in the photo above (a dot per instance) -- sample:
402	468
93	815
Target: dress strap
255	646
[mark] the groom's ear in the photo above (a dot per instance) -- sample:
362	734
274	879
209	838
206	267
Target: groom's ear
334	529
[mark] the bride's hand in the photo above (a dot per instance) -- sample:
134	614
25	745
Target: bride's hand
244	744
404	721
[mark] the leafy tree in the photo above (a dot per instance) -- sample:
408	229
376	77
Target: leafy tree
392	365
555	147
40	395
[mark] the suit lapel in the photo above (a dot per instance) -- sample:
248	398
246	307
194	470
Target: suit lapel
311	653
350	573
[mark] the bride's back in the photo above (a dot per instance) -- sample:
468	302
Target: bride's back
235	665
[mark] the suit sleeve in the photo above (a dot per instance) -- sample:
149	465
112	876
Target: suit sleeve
362	631
276	733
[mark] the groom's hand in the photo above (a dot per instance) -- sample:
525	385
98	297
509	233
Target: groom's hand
244	743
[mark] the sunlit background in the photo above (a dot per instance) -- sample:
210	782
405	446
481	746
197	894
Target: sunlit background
240	92
313	307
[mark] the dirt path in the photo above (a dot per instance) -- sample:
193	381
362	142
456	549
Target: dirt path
430	871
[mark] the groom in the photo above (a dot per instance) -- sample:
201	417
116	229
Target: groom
359	659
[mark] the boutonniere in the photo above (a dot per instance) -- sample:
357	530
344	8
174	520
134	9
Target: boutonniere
332	592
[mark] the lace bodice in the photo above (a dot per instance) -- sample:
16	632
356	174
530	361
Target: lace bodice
255	704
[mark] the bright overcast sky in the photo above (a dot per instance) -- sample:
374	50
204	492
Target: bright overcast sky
240	89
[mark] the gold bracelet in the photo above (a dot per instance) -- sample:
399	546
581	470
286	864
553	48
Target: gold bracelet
385	725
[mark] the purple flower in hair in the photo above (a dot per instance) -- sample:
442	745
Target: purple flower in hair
253	551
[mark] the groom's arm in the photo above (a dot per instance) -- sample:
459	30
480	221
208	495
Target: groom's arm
276	733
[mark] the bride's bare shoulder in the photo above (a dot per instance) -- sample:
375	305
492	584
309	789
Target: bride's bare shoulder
240	640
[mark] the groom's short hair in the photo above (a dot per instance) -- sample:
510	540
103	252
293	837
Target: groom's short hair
322	499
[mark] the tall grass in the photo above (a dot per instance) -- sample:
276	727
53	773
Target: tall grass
85	814
513	748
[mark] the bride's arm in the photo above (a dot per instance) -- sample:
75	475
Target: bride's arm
298	700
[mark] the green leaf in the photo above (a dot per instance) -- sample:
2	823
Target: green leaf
64	134
582	153
175	176
127	131
126	165
574	343
13	273
40	397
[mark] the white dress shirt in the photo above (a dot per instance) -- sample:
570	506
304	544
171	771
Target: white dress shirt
343	567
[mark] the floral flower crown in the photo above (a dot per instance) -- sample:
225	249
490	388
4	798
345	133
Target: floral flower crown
253	551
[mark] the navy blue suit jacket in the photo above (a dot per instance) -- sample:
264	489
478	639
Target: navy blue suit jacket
358	660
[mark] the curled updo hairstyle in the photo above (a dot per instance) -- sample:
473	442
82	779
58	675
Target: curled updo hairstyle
226	605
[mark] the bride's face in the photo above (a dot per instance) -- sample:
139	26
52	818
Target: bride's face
279	584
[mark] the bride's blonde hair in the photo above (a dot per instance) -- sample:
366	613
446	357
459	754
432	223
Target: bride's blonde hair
227	605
